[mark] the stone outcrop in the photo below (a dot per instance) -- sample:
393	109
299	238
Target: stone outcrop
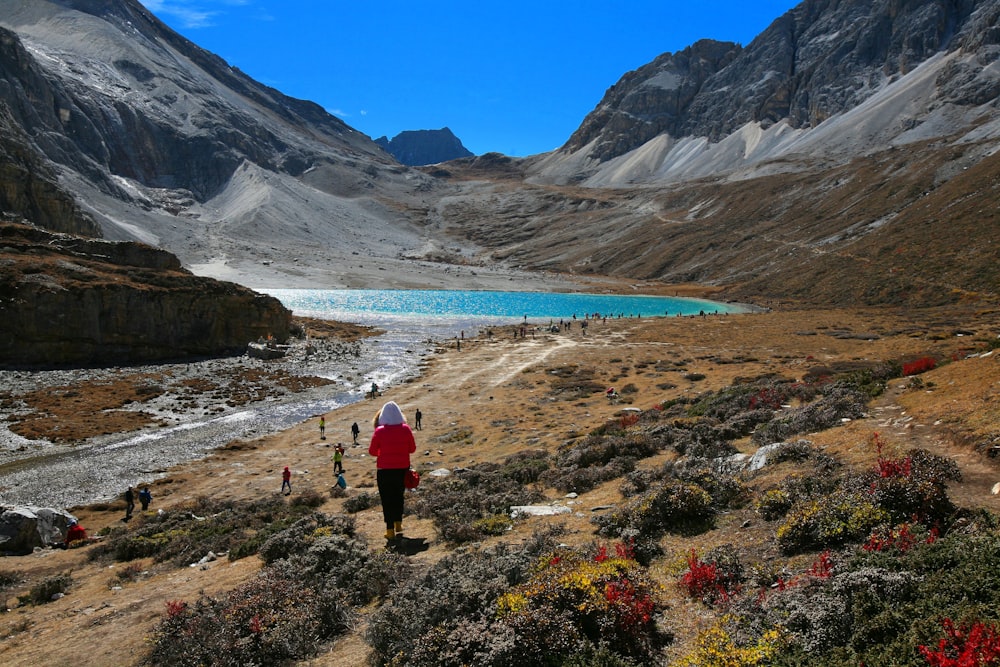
22	529
423	147
69	300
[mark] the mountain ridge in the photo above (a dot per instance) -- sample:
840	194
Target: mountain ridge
245	184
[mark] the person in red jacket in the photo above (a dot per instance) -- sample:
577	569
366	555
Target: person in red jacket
391	445
75	532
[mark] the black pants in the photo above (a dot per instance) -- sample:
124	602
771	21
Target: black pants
391	490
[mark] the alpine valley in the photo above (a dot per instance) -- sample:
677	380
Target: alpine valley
804	483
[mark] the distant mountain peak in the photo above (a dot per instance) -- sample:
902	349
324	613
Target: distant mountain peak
421	147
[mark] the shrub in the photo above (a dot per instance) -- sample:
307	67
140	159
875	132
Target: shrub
773	504
304	533
272	619
899	538
458	502
668	507
461	588
48	589
497	524
9	579
361	502
832	522
714	579
705	441
797	451
581	480
601	450
885	604
917	366
642	479
715	647
726	490
527	466
344	564
872	381
838	402
536	640
607	598
913	487
187	533
309	498
128	573
975	646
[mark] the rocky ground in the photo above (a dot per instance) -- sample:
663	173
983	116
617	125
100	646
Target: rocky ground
500	396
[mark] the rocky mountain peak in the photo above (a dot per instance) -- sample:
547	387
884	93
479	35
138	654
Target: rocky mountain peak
422	147
819	60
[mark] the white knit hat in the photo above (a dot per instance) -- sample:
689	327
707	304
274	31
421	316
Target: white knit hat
391	415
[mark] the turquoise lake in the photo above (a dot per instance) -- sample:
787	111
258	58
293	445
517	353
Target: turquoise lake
446	311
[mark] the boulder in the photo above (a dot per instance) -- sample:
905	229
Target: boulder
24	528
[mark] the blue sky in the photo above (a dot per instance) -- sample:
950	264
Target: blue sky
516	77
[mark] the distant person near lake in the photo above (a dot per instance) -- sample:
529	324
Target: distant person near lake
129	503
145	497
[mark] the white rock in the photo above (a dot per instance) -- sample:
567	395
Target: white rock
538	510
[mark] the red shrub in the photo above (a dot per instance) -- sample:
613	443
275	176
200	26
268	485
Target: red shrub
919	366
704	581
978	646
822	567
176	608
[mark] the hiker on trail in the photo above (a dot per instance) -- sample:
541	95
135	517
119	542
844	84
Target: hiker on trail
374	390
391	444
355	431
322	427
129	503
338	459
286	481
417	416
145	497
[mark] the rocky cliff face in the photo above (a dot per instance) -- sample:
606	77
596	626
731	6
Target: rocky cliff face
28	185
423	147
821	59
69	300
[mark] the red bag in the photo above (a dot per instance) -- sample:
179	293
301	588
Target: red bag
411	479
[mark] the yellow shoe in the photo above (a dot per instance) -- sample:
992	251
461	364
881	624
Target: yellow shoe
399	527
389	534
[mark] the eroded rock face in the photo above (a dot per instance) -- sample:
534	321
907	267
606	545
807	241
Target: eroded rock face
70	301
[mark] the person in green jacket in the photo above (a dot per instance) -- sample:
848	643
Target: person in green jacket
338	459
